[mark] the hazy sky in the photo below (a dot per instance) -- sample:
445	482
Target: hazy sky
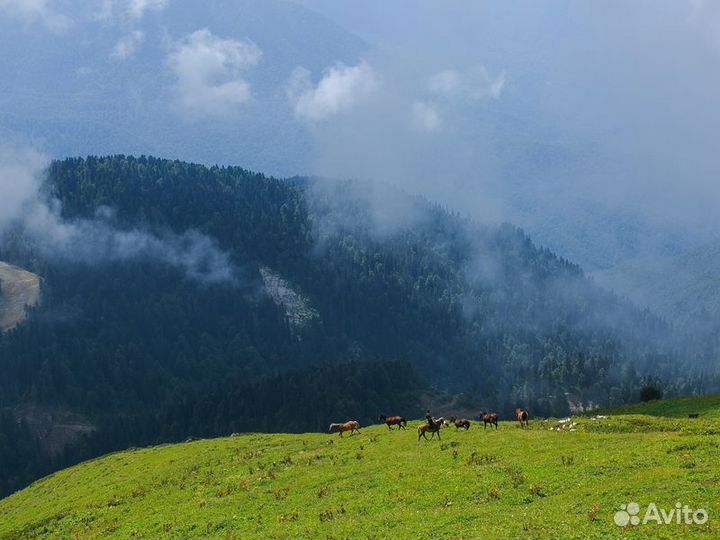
548	110
576	120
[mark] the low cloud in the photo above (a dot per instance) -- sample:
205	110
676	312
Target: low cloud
59	16
425	117
137	8
475	84
339	89
123	10
24	207
210	73
19	173
31	11
400	130
127	45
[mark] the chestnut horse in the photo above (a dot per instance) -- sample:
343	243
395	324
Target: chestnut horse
522	416
460	423
433	428
350	426
489	418
398	421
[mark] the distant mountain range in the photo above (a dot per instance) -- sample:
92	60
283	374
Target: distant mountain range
683	288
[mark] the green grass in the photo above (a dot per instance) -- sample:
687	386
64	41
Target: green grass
705	406
510	483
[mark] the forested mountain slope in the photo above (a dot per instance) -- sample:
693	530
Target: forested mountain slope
409	300
684	289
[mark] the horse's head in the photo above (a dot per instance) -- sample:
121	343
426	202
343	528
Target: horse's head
381	418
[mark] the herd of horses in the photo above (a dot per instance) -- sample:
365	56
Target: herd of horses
432	426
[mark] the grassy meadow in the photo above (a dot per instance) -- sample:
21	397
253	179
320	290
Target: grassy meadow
509	483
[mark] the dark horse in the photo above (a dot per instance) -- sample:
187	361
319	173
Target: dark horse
398	421
522	416
489	418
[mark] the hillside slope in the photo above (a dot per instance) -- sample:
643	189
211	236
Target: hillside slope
704	407
18	289
510	483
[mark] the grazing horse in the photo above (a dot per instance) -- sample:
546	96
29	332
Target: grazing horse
350	426
433	428
398	421
522	416
460	423
489	418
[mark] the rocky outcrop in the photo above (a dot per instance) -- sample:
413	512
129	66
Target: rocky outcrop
297	307
18	289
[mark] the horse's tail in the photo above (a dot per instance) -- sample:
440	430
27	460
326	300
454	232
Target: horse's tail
403	422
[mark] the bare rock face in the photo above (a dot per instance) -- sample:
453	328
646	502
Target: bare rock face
18	289
298	309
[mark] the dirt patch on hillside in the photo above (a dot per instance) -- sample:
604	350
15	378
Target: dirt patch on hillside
18	289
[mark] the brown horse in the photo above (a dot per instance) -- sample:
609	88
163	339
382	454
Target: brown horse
489	418
522	416
398	421
350	426
432	428
460	423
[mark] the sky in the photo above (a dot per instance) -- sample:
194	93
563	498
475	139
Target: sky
545	113
591	124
